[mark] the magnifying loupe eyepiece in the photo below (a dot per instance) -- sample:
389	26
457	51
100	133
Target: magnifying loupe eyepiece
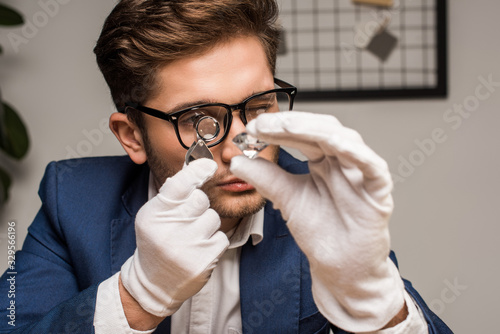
207	129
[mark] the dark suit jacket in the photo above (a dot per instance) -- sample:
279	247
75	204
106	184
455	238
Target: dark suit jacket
84	232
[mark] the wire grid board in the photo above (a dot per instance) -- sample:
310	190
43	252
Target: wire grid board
319	56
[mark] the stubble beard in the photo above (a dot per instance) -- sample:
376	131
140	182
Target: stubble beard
236	205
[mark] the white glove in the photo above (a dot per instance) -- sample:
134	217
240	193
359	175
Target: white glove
178	242
338	215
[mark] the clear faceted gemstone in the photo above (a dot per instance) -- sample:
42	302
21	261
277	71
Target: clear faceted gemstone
249	145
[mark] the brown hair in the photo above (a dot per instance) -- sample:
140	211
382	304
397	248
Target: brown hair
139	36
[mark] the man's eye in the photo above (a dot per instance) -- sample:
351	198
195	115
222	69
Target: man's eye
259	107
191	119
256	110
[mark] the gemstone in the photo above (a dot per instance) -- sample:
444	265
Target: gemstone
249	145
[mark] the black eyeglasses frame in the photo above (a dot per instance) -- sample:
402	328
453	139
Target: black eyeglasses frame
173	118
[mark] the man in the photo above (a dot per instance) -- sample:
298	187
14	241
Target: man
145	243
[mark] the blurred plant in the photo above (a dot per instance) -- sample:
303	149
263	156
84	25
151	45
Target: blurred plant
14	140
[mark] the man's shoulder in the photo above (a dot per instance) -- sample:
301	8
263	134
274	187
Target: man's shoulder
93	174
93	166
89	163
292	164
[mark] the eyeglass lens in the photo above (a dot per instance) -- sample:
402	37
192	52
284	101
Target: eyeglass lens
192	124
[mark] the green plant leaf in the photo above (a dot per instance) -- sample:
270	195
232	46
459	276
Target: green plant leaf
9	16
5	182
14	140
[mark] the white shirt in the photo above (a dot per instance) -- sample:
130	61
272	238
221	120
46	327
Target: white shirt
215	309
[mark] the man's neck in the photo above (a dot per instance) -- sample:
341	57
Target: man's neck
227	224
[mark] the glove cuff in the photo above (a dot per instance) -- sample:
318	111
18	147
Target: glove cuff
366	305
151	297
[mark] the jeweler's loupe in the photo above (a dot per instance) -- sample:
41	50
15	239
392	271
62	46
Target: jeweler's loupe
207	129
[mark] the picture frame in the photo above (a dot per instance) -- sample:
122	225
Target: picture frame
320	53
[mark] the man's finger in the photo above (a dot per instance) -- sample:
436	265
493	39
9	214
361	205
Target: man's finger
298	130
317	135
189	178
268	178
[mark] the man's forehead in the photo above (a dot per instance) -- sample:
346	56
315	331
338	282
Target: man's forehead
228	73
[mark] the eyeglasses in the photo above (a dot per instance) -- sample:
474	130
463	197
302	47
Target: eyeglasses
186	120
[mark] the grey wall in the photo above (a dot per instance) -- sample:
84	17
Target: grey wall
445	228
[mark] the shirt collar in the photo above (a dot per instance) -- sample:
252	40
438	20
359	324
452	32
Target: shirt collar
250	226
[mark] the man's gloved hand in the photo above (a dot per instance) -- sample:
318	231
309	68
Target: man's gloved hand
178	242
338	215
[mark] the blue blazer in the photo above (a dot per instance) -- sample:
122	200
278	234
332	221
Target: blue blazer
84	232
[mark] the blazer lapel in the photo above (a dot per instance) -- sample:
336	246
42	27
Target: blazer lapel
270	280
122	243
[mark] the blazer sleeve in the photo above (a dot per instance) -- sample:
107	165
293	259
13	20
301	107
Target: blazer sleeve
434	324
41	294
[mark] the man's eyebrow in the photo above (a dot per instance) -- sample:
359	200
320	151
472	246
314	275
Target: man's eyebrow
186	105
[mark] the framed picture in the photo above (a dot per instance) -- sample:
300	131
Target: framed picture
346	49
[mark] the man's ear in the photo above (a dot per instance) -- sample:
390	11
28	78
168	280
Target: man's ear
129	135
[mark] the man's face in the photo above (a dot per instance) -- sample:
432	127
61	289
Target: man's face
228	73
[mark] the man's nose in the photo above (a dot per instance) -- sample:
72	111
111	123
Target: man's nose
229	149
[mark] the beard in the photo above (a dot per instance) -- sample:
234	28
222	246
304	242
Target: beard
234	205
227	205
